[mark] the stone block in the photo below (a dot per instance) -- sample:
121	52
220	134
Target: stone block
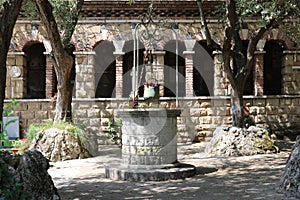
181	128
205	120
107	113
34	106
27	115
194	120
253	110
219	103
261	110
95	122
81	93
80	113
260	119
210	112
104	121
110	105
271	110
93	113
287	70
41	114
220	111
195	112
227	120
273	118
272	102
10	61
259	102
285	101
20	60
217	120
202	112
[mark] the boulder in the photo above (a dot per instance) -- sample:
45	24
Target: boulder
234	141
290	182
58	145
26	177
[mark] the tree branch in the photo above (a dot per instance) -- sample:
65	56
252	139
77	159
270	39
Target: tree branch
205	30
45	9
69	32
231	22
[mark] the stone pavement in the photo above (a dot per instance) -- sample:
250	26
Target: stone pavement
247	177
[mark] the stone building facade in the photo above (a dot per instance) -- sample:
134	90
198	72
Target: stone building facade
102	75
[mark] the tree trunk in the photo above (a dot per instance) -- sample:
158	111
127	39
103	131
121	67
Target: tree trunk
237	108
3	82
64	92
9	15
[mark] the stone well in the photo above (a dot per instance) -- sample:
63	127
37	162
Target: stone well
149	150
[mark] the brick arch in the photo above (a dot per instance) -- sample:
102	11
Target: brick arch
22	38
281	36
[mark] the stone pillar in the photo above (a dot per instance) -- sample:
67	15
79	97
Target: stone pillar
258	73
189	64
221	84
290	71
85	74
50	76
119	44
158	69
119	75
16	75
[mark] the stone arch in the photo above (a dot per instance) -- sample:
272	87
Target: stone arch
203	67
170	69
105	70
24	35
273	67
128	64
36	70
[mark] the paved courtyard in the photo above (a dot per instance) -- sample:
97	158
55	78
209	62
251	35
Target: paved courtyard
248	177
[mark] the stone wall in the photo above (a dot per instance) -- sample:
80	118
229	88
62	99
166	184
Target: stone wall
200	115
33	111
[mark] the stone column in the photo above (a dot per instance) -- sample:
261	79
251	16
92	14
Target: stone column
119	44
221	84
50	76
16	75
189	64
258	73
290	71
85	74
119	75
158	69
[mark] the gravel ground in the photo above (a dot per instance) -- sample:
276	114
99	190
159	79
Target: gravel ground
218	178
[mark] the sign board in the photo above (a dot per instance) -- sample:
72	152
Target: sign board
13	129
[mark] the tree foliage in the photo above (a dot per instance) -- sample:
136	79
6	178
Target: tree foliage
267	14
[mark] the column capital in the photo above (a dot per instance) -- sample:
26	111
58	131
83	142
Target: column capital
159	52
118	53
188	52
259	52
217	52
84	53
291	52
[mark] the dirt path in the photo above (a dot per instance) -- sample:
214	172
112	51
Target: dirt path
250	177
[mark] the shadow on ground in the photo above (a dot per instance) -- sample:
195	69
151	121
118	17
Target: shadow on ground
250	177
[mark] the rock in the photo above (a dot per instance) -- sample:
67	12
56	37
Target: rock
26	177
58	145
236	141
290	182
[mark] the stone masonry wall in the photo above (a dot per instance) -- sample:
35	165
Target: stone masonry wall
200	115
33	111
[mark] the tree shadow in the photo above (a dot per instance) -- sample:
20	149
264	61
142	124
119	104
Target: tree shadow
252	177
